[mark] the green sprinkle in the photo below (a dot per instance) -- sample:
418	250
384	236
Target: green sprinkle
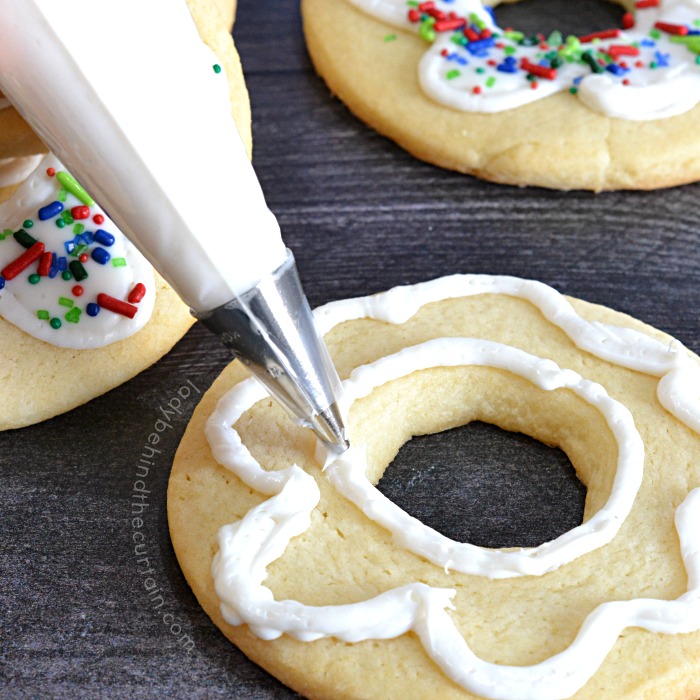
33	278
573	90
655	34
67	217
73	316
65	301
55	323
217	68
509	50
60	223
452	74
69	183
514	36
7	232
426	31
78	229
62	195
696	22
28	223
490	82
653	65
480	70
697	60
66	275
118	262
475	19
555	38
43	315
413	3
78	271
390	37
79	250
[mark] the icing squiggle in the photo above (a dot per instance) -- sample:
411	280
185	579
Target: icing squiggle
640	73
247	547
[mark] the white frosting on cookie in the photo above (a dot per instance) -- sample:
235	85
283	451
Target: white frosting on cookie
33	307
14	170
644	73
247	547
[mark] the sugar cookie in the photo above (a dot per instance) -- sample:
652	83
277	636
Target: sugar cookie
339	593
610	110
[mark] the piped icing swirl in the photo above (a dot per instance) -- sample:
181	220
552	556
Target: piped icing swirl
247	547
68	276
650	69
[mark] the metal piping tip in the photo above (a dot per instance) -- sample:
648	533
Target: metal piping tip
328	426
271	329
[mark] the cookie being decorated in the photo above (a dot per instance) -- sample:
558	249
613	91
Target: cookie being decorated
338	592
606	110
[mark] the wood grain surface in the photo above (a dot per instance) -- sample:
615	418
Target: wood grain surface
76	620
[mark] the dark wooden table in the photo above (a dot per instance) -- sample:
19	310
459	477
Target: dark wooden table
361	216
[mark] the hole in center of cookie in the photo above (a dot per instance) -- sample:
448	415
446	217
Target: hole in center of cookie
486	486
545	16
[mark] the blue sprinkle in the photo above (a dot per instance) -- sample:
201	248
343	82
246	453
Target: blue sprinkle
510	60
101	256
50	210
62	264
69	246
92	309
648	43
693	32
87	237
507	68
662	59
578	80
103	237
53	270
615	69
491	13
2	282
475	46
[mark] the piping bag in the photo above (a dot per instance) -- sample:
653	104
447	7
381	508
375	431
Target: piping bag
137	107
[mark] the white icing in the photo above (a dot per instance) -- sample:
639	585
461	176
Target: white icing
247	547
20	300
651	93
14	170
148	131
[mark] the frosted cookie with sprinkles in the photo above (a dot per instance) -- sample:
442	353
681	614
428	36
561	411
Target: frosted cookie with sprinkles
616	109
81	311
323	581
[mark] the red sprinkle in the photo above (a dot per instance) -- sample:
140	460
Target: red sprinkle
639	64
539	71
625	82
605	34
83	257
98	219
534	85
485	34
677	29
425	6
621	50
643	4
446	25
471	34
116	305
50	171
627	20
476	90
137	293
80	212
77	291
11	270
413	15
45	264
